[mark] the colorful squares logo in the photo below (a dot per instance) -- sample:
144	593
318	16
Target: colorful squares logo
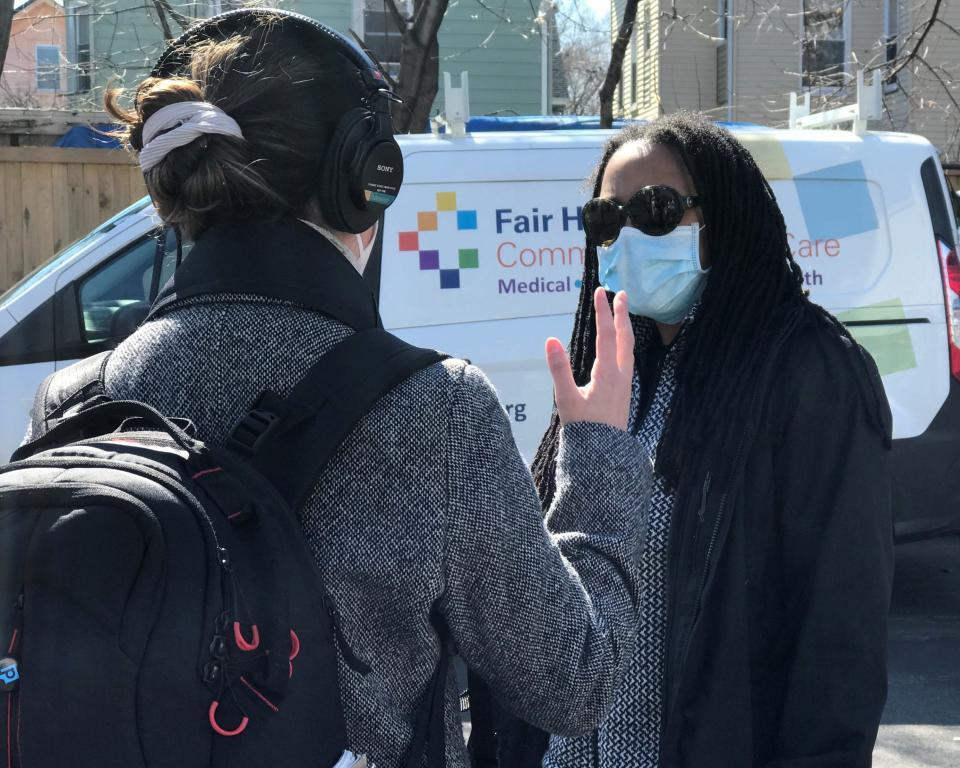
429	260
446	201
427	221
431	221
449	278
409	241
469	258
466	219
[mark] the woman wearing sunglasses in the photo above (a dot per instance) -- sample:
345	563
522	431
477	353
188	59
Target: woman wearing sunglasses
767	571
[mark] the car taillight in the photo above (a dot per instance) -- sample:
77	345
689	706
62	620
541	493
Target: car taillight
950	269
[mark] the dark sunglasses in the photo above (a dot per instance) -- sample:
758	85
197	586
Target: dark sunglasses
655	210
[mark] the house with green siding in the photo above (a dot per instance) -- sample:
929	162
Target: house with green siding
498	42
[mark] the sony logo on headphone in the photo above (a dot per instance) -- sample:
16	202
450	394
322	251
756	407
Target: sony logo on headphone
385	168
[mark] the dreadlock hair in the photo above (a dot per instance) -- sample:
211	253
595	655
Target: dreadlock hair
753	297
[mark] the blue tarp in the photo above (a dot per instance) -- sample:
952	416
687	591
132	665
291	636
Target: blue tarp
89	137
557	123
537	123
93	137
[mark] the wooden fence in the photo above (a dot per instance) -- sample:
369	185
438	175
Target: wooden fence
49	197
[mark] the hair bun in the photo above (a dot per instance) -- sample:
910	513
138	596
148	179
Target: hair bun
268	164
153	94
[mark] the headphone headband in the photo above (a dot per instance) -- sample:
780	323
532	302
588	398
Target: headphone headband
363	167
229	23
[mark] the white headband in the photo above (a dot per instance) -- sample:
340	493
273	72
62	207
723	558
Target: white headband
183	122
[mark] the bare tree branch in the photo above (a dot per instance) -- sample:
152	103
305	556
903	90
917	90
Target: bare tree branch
427	18
182	20
934	14
419	64
162	16
400	20
614	71
948	26
939	79
583	57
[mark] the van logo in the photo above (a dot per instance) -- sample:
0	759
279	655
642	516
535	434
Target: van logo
423	242
385	168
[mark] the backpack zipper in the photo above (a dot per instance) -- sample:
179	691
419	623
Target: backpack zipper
222	556
162	478
14	758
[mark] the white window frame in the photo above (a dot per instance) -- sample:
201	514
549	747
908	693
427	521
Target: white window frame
78	13
829	90
647	37
358	25
36	68
725	35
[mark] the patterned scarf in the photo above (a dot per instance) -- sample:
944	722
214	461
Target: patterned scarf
630	736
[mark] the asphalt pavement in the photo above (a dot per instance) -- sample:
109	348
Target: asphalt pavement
921	724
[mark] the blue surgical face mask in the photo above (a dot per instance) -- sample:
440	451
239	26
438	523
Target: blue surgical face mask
661	275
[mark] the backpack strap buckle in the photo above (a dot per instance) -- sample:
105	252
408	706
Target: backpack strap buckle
249	434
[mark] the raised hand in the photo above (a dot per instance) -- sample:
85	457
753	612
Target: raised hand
605	399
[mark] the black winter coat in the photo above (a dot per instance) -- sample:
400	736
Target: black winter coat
780	570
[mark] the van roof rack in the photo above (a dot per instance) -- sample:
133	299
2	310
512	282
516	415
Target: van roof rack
869	106
456	102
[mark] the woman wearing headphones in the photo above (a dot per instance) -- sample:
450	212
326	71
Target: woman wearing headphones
268	140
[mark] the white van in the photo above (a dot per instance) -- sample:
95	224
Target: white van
482	253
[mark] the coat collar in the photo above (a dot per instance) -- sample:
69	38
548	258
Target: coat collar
282	260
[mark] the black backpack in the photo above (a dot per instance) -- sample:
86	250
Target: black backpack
158	603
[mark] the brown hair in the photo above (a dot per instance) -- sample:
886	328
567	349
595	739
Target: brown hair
287	97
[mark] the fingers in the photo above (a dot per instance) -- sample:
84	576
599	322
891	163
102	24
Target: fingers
565	388
606	336
624	331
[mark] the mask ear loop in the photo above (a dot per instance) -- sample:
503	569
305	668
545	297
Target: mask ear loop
698	229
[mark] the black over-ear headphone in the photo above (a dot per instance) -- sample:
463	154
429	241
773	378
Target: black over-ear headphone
363	168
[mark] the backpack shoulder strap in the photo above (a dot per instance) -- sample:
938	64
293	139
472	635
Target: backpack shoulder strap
290	439
429	735
67	388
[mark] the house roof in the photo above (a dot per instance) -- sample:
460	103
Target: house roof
19	6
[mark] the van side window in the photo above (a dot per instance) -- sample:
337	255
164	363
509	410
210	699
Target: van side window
115	299
953	184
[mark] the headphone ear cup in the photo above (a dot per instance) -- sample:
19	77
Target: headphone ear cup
362	171
332	192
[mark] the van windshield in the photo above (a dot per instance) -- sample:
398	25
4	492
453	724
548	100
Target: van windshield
34	277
